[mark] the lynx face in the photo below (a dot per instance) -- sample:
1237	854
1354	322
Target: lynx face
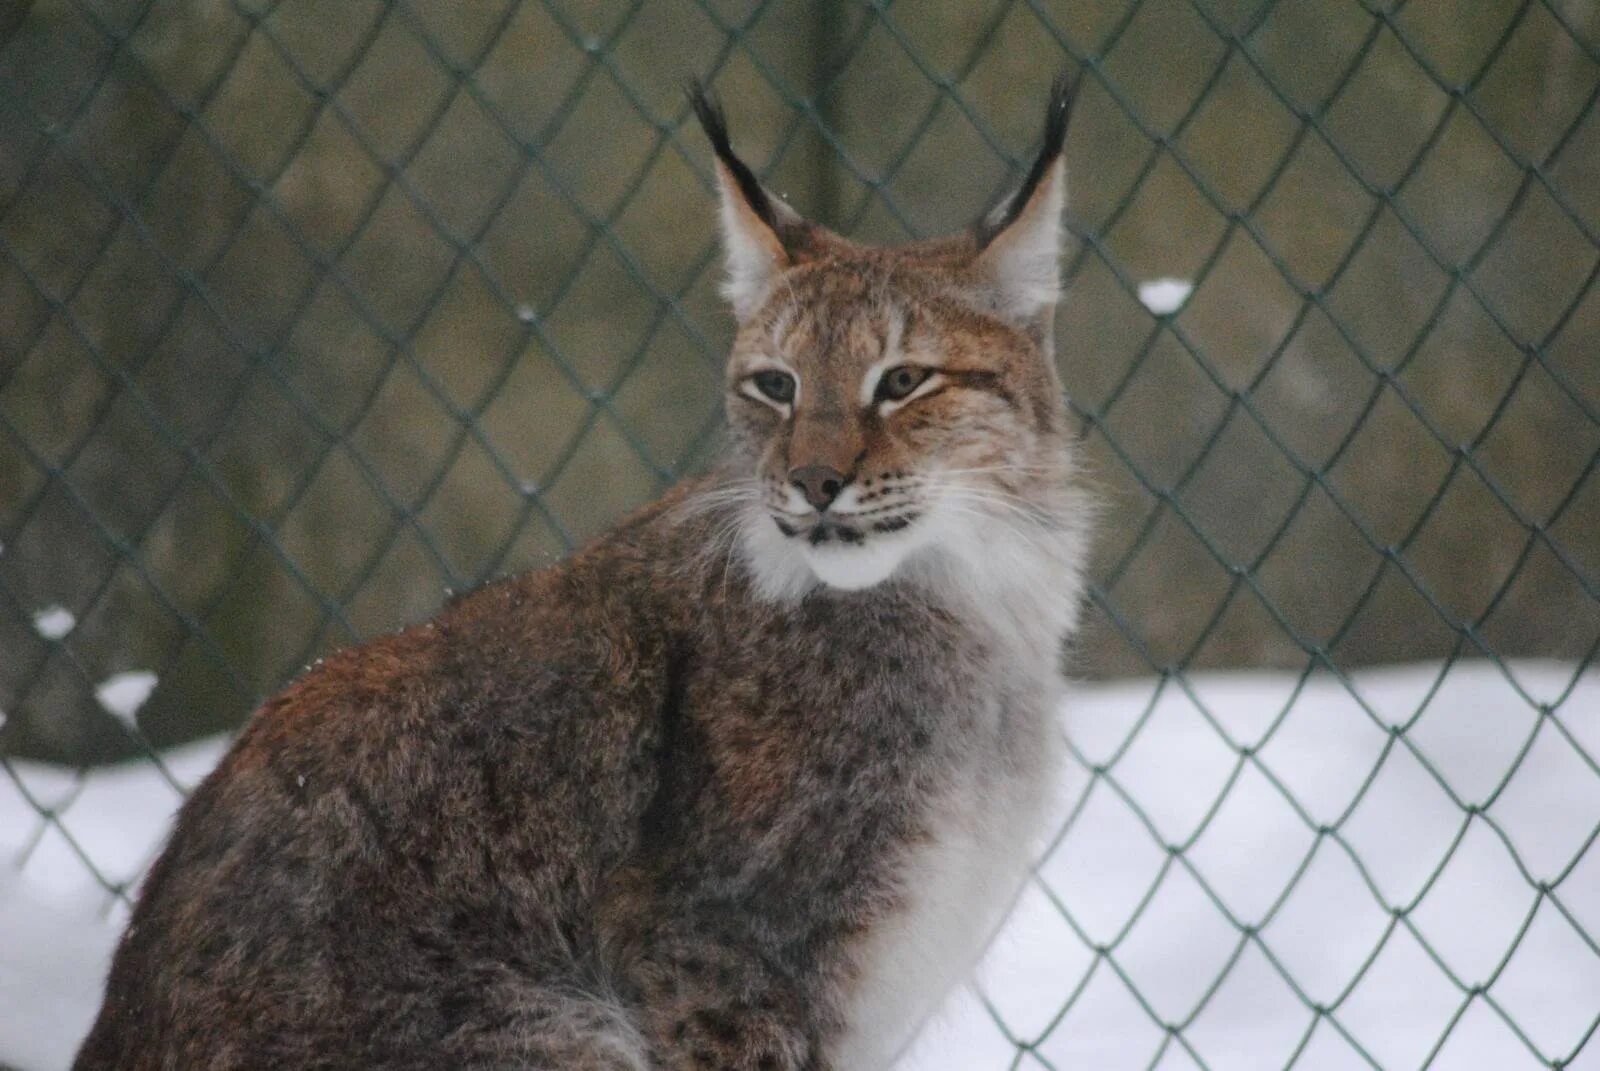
879	409
892	406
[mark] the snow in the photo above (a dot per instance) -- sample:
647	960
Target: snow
58	922
1335	842
54	622
1165	296
53	956
1323	908
122	694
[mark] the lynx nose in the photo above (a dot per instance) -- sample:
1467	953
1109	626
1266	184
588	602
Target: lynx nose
820	484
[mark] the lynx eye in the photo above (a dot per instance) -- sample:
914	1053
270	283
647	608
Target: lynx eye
898	382
776	385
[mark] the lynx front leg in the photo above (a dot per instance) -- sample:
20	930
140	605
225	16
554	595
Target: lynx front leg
550	1028
733	1035
722	1010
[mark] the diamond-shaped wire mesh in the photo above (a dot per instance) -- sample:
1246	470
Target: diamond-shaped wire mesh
313	313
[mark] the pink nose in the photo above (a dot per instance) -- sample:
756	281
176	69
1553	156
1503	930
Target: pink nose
820	484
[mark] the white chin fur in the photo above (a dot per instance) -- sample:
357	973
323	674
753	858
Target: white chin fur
852	567
1024	582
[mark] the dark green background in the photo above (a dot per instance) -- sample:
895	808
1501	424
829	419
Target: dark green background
310	311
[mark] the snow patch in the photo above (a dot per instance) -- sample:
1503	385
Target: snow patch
1165	296
57	950
122	694
1250	852
54	622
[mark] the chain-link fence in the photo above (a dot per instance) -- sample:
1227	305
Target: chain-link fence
310	313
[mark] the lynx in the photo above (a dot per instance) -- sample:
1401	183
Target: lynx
743	784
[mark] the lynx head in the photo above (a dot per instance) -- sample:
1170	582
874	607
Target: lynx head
900	405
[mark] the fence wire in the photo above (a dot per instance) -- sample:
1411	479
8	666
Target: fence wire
313	314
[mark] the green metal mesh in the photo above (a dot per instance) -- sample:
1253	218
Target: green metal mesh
310	314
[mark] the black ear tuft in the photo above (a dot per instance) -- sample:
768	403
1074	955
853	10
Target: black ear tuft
715	123
1056	117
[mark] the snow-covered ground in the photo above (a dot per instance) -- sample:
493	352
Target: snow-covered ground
1190	888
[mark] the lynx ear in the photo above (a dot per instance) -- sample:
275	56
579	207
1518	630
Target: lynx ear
761	235
1019	243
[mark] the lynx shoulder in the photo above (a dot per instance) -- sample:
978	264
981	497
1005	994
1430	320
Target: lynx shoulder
744	784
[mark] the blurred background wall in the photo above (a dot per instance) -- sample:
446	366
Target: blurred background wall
313	312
